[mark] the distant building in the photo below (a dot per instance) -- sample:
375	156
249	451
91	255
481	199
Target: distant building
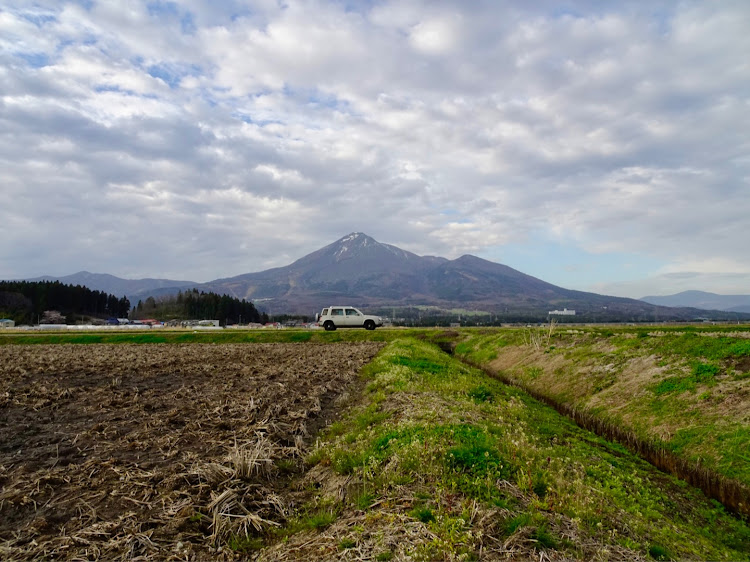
6	323
563	312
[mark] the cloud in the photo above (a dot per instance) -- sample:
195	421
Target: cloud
197	140
436	36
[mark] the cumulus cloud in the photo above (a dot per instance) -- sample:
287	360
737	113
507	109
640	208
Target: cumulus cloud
197	140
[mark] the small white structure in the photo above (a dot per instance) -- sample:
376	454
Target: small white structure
200	324
563	312
6	323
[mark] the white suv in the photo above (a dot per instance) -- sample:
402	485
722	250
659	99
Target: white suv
347	317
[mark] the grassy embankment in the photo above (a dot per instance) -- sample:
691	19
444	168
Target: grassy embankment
680	395
438	461
197	336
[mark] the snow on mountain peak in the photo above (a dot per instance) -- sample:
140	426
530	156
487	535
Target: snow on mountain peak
352	242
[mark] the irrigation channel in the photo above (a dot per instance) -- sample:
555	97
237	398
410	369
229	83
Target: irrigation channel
732	494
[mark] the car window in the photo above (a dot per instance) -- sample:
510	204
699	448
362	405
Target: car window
352	312
325	312
337	312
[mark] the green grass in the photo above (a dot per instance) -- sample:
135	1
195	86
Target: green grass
245	544
697	370
704	372
450	447
694	345
233	335
476	453
518	522
311	516
421	365
481	394
701	373
197	336
319	520
675	385
423	514
658	552
347	543
482	347
364	500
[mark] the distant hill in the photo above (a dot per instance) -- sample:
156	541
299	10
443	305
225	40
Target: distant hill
703	300
133	289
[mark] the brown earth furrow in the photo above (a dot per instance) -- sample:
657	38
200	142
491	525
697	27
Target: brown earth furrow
156	451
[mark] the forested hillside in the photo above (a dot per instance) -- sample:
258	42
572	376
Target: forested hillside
26	301
195	305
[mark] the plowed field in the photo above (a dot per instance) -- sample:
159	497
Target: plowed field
157	451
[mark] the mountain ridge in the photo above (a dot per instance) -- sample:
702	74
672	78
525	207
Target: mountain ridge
703	300
360	271
131	288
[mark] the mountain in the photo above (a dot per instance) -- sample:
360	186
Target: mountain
361	271
133	289
703	300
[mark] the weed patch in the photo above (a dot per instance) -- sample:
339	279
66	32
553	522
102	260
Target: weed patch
658	552
420	365
475	453
319	520
704	372
675	385
517	522
701	373
423	514
245	544
481	394
544	537
347	543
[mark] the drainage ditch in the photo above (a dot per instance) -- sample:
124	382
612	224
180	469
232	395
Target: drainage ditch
733	495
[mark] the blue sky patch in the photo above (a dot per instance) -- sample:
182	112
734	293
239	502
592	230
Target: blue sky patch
165	73
34	60
570	266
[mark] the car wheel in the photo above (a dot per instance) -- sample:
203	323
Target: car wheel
369	325
329	326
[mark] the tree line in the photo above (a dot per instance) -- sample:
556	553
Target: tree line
26	301
195	305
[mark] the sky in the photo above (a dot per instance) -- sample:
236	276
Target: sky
599	146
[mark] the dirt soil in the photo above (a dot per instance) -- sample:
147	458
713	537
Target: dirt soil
157	451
